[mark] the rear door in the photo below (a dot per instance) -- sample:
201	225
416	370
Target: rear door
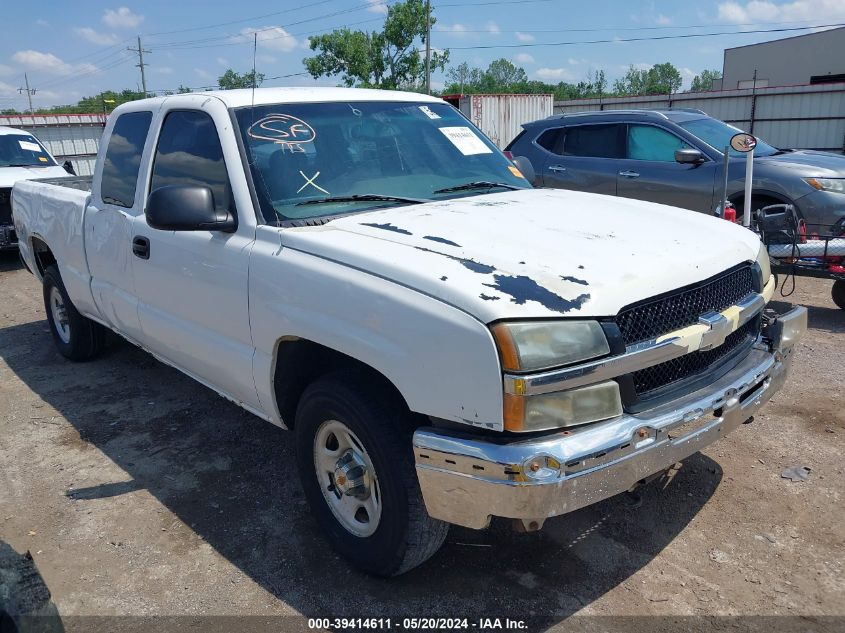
649	171
109	219
582	157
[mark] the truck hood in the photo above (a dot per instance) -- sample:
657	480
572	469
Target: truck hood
807	163
534	252
10	175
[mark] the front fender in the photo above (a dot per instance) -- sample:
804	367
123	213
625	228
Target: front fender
442	360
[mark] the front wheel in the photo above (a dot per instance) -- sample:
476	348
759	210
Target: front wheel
77	337
838	293
356	463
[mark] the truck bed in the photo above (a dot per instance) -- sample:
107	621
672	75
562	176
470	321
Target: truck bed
82	183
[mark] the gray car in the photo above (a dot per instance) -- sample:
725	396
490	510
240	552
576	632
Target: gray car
675	157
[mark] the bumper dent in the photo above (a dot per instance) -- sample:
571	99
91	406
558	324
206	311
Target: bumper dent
466	480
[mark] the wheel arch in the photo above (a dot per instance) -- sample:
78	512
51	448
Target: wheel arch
299	362
42	255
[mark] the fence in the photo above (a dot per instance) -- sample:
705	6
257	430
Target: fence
800	117
73	137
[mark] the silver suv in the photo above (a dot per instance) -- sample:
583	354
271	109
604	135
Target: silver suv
675	157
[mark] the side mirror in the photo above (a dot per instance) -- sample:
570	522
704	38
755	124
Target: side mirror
524	165
186	208
68	167
689	156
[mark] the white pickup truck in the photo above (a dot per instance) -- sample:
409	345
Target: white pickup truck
446	343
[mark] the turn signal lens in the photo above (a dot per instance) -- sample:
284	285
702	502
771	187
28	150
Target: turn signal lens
542	412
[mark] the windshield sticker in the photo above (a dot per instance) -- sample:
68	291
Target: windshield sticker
310	181
32	147
42	159
286	130
427	111
515	171
465	140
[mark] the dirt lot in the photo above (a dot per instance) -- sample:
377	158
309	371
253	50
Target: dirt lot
140	492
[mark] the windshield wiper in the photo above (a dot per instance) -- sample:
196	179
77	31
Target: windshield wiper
25	165
477	184
363	197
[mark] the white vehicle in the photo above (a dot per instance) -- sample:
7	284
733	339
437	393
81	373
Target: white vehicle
446	343
22	156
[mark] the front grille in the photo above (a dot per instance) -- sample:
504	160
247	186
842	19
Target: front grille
5	206
660	316
658	376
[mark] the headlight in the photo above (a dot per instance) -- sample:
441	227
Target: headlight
536	345
542	412
765	265
827	184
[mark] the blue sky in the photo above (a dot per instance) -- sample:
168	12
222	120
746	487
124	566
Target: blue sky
70	50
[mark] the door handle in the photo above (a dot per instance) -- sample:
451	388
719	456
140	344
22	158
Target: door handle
557	168
141	247
629	174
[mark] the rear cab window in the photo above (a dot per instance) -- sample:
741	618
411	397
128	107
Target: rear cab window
123	158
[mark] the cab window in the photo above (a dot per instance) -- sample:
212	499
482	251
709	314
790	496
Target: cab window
123	158
189	153
647	142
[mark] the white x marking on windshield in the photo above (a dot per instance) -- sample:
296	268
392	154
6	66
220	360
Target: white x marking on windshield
310	181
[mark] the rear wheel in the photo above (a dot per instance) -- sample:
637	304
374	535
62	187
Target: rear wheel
838	293
356	463
77	337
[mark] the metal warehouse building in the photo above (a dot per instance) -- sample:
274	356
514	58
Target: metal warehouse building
805	59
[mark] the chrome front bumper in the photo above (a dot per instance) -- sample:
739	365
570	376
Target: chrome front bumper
468	479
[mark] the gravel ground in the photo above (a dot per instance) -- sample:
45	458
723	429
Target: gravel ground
140	492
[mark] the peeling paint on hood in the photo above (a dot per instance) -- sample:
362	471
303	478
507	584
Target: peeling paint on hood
534	252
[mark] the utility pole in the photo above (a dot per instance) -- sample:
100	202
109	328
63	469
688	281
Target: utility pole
428	46
140	50
29	92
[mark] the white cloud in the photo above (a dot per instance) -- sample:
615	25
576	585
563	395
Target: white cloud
457	29
663	20
271	37
203	74
41	22
525	37
223	61
493	28
122	18
557	74
95	37
796	11
6	71
377	6
49	63
523	58
162	70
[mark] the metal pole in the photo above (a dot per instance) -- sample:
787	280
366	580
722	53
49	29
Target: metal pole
746	204
28	93
141	64
725	187
428	46
753	100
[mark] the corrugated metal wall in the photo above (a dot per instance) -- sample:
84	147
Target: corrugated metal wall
73	137
801	117
500	116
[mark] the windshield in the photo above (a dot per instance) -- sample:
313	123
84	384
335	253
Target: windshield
717	135
23	150
309	160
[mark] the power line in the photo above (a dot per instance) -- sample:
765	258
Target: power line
642	39
29	92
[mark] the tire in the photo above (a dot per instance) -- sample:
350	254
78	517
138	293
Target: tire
77	337
838	293
398	534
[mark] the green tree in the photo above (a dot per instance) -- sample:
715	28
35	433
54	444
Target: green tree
380	59
503	76
462	78
231	80
704	80
659	79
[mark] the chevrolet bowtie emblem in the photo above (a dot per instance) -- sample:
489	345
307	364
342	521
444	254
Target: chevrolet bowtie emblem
720	327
